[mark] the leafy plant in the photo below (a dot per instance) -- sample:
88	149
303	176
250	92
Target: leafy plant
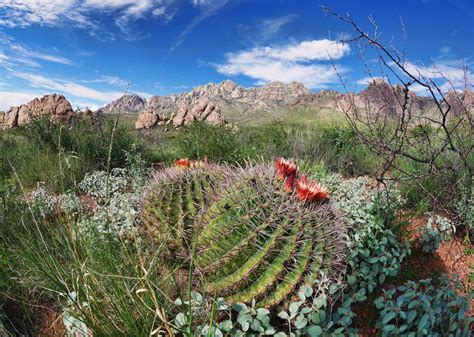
424	308
376	254
435	232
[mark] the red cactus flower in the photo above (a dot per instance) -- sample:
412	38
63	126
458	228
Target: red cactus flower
309	190
182	163
285	168
289	182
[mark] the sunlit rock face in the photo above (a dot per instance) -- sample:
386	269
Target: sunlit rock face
57	107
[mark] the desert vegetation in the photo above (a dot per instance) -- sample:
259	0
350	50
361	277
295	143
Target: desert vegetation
335	227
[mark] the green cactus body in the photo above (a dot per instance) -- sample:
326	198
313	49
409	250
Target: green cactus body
246	237
173	202
270	273
259	242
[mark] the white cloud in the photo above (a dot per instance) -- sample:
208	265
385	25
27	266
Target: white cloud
207	8
40	56
67	87
447	74
13	98
419	89
436	71
111	80
264	30
367	80
23	13
274	25
296	62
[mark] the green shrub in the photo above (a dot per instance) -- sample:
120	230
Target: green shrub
335	146
424	308
375	255
59	156
433	235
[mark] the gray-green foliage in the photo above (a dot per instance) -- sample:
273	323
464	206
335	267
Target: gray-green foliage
465	204
436	231
376	253
424	308
309	314
117	198
374	250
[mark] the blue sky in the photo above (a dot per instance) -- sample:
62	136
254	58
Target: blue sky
92	50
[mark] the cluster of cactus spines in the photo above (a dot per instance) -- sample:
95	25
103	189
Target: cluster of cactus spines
175	199
258	241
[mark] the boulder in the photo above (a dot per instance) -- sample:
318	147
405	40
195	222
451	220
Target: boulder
146	119
57	107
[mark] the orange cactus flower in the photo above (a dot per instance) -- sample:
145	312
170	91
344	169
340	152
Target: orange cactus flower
285	168
309	190
182	163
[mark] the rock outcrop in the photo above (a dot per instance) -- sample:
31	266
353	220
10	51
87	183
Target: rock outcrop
378	97
204	110
461	102
125	104
57	107
206	102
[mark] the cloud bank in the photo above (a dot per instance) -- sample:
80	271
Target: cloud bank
306	62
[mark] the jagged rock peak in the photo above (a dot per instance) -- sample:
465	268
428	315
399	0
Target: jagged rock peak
125	104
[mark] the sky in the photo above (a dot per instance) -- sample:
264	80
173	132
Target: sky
93	51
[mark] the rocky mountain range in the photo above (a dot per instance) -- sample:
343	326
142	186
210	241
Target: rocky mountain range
227	97
267	97
215	102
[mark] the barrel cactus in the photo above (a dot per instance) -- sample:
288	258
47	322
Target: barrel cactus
262	238
174	201
246	233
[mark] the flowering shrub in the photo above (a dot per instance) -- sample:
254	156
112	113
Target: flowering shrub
47	203
98	185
